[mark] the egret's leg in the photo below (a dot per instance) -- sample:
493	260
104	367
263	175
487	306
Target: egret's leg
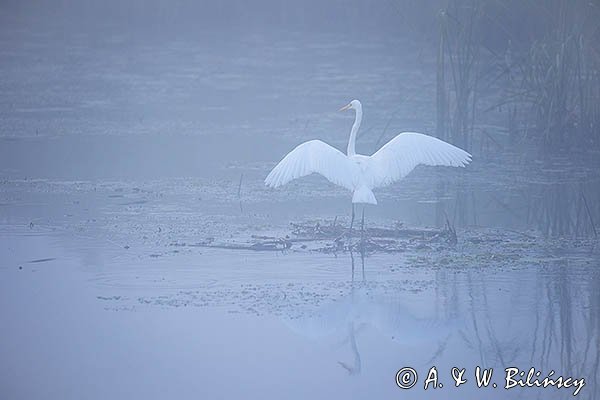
362	224
362	263
352	258
349	232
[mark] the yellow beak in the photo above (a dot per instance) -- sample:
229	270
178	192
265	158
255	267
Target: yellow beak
345	107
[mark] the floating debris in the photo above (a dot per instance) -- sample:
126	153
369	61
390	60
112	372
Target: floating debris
334	238
41	260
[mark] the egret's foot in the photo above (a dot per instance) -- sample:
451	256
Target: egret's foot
362	244
347	234
365	245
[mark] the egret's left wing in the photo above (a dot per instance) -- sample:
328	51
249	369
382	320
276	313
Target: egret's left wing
403	153
318	157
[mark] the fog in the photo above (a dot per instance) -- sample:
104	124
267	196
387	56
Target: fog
142	255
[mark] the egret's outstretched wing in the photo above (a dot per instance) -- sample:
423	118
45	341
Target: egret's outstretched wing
403	153
318	157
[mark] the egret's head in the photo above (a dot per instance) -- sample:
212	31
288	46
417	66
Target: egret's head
353	105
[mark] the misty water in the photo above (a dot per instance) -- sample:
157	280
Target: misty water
121	155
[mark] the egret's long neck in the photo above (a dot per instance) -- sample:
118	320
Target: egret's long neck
352	142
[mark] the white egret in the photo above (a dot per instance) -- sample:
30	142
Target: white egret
359	173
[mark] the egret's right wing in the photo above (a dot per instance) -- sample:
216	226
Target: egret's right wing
403	153
318	157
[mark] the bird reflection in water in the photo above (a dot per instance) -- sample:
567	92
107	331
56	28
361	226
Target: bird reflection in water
368	306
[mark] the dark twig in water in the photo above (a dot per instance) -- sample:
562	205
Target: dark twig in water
589	214
239	192
451	230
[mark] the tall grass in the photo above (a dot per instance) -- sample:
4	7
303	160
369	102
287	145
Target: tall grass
555	74
457	71
538	62
549	52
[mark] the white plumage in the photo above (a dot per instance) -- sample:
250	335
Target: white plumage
359	173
